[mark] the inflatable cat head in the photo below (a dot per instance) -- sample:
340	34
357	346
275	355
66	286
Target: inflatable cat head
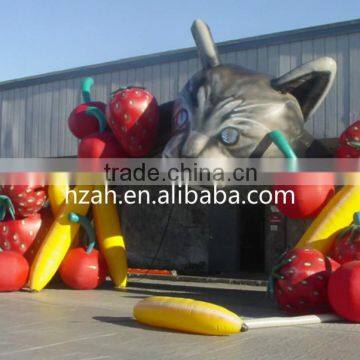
227	110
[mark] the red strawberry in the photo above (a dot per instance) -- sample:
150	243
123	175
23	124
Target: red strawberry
17	235
101	144
347	243
81	121
302	277
27	200
133	116
349	142
352	133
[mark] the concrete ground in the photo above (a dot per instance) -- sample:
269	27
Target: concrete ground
67	324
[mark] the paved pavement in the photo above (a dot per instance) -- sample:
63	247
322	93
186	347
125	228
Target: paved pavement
75	325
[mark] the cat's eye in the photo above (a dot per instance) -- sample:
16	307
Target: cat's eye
181	118
229	136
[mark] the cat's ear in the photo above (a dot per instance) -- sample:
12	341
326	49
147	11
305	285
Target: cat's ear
204	41
308	83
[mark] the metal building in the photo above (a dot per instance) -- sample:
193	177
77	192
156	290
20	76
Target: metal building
34	110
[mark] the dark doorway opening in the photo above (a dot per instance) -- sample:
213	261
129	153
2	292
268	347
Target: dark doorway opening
252	238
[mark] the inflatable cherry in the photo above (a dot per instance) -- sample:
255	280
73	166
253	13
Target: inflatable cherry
309	199
14	271
81	120
101	144
83	268
344	291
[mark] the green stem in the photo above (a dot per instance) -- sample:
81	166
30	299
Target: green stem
281	142
6	205
121	88
353	229
275	276
85	223
99	115
86	86
357	218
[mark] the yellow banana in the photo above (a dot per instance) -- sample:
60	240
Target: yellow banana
58	240
187	315
111	241
336	215
57	191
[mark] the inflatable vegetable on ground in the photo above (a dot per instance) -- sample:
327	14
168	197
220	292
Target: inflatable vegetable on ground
347	242
349	142
110	239
101	144
27	199
58	240
133	116
16	234
14	271
344	291
82	121
335	216
309	199
301	281
83	268
187	315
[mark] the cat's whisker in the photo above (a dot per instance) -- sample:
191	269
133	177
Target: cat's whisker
241	120
249	106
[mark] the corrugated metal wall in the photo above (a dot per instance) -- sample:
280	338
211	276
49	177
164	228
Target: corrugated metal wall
34	118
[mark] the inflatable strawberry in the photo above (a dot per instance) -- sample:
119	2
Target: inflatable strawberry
16	234
82	121
349	142
101	144
133	116
347	243
27	199
14	271
83	268
344	291
301	281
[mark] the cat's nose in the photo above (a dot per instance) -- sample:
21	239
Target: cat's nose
194	145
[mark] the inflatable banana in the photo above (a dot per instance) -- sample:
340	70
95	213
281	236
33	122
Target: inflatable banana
58	240
336	215
57	191
110	239
187	315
